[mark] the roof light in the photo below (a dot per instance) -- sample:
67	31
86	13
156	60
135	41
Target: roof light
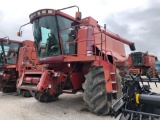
50	11
44	11
41	13
33	15
38	13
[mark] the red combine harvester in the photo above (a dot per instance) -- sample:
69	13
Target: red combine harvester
142	64
8	59
27	60
77	52
11	63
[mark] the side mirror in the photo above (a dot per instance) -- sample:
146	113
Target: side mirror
18	34
8	41
78	15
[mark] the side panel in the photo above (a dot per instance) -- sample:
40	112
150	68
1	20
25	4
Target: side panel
77	79
82	44
27	57
110	43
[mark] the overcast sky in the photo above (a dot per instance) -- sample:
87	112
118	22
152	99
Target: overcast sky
138	21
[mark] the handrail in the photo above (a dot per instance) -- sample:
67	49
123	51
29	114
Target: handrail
103	37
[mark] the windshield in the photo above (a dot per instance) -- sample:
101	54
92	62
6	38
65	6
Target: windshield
46	36
68	35
158	66
1	56
10	52
137	59
46	30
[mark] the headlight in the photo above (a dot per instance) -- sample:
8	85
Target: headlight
1	72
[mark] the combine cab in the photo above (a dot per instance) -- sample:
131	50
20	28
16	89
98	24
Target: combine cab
78	55
12	57
143	64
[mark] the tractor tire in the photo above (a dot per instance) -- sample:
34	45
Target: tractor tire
44	97
25	93
95	96
8	90
149	73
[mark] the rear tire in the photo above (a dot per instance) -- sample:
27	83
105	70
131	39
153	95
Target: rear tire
25	93
150	73
95	96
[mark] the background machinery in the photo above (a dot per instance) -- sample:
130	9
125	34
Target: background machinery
12	63
27	60
143	64
8	60
139	102
79	55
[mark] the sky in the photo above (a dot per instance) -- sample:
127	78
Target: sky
137	21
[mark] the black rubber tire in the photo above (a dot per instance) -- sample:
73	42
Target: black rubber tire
150	74
8	90
25	93
44	97
95	96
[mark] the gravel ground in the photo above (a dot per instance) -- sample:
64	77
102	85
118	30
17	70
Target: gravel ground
68	107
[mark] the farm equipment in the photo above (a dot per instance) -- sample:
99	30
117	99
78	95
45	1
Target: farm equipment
143	64
79	55
27	60
158	67
139	102
8	59
11	63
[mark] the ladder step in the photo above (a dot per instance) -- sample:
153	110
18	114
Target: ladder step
112	73
114	91
29	87
113	82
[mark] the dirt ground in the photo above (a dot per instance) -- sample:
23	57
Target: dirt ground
68	107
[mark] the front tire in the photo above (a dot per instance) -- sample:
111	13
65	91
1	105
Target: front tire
25	93
95	96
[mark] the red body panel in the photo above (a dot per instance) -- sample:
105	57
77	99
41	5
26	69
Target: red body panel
95	47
